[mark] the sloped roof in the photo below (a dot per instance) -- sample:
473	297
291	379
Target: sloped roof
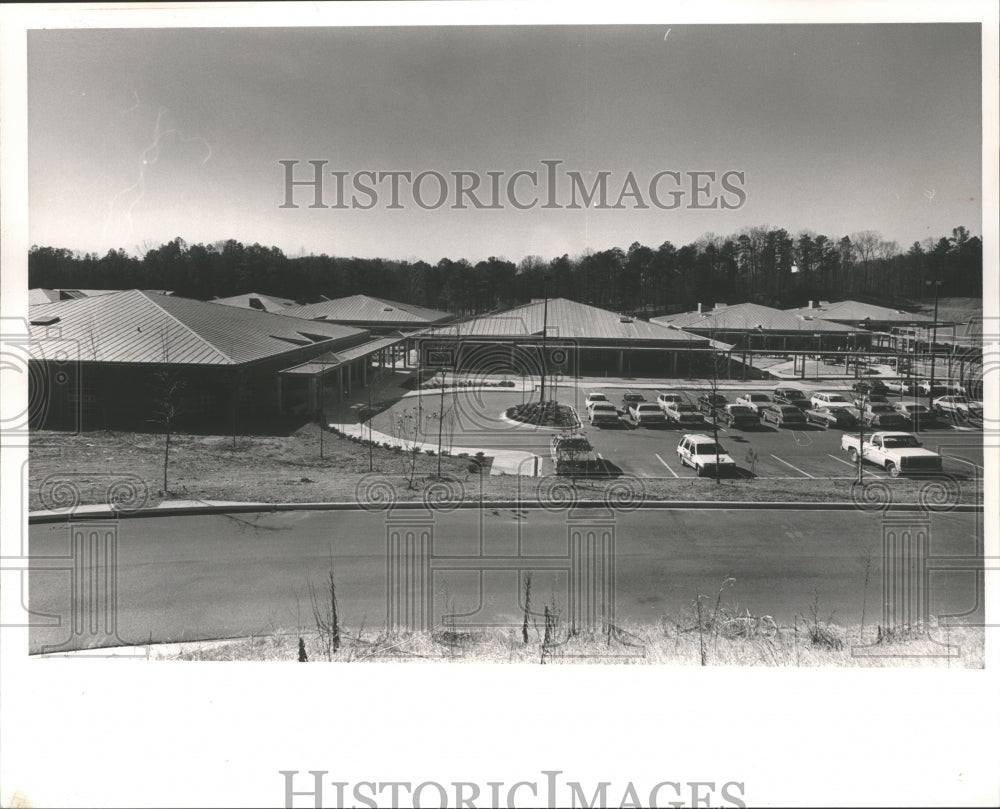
366	309
745	316
39	295
271	303
858	311
567	319
331	359
143	327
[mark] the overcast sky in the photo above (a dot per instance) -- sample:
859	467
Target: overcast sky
139	136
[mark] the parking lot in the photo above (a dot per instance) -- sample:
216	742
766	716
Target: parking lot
475	419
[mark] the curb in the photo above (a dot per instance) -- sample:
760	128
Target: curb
36	518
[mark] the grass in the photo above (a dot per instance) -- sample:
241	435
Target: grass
674	642
273	469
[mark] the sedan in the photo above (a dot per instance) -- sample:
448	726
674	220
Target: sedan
791	396
783	416
683	415
755	401
869	385
712	403
916	412
740	416
827	417
958	406
874	398
885	417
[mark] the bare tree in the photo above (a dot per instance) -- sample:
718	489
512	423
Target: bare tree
168	403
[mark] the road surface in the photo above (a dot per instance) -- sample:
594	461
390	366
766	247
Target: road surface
212	576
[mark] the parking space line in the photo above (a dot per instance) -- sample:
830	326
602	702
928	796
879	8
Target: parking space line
672	472
848	463
791	466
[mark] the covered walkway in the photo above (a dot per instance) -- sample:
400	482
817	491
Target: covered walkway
331	378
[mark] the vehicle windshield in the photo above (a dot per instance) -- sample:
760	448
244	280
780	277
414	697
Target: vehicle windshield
605	406
789	411
793	394
574	444
598	397
685	408
651	408
900	441
881	408
739	409
835	397
759	397
709	449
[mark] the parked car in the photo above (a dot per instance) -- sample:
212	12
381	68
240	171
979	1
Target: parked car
827	417
924	386
826	398
957	406
712	403
782	416
873	398
630	399
703	455
740	416
647	414
883	416
896	452
899	386
665	399
603	414
791	396
593	397
683	414
572	454
755	401
869	385
916	412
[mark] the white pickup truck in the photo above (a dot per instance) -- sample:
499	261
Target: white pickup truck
897	453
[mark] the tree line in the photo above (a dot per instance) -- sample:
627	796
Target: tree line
760	264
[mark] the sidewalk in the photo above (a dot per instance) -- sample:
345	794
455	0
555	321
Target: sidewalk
505	461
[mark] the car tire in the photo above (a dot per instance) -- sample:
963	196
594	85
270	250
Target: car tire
892	469
853	454
700	470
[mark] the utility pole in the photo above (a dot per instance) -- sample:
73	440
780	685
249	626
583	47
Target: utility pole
441	420
545	329
861	438
930	389
371	459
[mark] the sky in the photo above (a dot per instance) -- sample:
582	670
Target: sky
139	136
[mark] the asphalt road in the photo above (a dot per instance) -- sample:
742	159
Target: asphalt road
199	577
474	419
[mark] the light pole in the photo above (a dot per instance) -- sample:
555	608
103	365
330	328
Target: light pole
545	328
933	347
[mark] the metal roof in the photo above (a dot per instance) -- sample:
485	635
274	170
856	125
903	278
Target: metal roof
747	316
144	327
271	303
39	295
333	359
566	319
858	311
366	309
